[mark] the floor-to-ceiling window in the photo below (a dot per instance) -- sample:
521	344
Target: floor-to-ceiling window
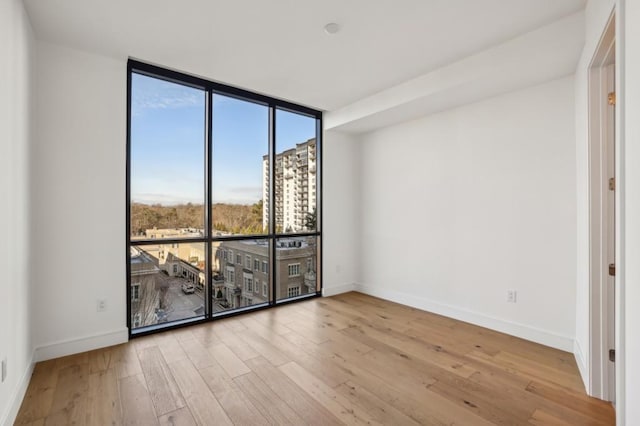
223	199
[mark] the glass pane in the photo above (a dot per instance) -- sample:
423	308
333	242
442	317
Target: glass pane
295	172
240	166
296	266
167	283
240	273
167	159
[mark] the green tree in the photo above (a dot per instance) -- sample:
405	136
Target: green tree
256	211
310	220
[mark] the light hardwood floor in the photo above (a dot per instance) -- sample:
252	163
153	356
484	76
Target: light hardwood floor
347	359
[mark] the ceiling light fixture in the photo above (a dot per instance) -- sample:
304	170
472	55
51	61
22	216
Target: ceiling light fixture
331	28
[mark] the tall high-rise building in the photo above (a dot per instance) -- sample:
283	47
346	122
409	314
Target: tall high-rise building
295	187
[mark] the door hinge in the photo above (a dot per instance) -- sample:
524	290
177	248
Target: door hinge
612	184
611	98
612	269
612	355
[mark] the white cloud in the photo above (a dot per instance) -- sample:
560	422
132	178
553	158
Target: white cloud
150	93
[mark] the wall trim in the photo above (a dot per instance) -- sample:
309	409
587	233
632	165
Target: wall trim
10	414
534	334
82	344
583	368
334	290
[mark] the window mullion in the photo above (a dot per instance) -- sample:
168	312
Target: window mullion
272	202
208	206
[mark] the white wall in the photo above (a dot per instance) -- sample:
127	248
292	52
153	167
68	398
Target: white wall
460	206
629	340
596	16
78	251
341	168
16	111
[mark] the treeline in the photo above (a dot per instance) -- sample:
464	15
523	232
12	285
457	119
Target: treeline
235	218
238	218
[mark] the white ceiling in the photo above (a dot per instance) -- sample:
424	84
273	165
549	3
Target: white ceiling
537	57
278	47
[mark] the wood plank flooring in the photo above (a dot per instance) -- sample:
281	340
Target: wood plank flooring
348	359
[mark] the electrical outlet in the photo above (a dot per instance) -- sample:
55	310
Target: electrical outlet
101	305
4	369
512	296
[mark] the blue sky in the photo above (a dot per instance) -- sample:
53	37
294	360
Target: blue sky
168	142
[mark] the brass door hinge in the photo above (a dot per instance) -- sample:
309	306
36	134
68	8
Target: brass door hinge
612	355
612	269
612	184
612	98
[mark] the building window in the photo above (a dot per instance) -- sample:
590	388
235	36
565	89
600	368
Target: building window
264	289
256	265
135	292
248	285
247	262
239	259
294	270
265	268
230	278
293	291
230	256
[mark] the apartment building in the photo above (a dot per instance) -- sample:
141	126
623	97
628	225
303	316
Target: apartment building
184	259
146	289
295	185
244	274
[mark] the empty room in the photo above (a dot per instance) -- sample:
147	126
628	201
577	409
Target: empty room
340	212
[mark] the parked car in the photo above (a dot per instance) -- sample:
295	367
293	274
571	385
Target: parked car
188	288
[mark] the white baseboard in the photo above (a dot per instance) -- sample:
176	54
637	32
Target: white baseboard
82	344
333	290
582	364
523	331
9	416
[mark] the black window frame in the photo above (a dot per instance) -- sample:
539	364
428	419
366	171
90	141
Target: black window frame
273	104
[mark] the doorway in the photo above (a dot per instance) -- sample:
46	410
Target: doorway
602	188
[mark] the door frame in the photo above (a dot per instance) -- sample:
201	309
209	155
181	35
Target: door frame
602	315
